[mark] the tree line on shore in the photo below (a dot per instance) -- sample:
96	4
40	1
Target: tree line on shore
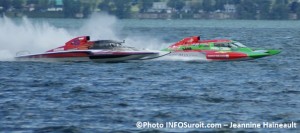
244	9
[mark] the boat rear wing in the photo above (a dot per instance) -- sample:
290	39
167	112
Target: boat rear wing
187	41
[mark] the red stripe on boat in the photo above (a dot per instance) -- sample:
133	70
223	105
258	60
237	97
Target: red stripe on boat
225	55
61	55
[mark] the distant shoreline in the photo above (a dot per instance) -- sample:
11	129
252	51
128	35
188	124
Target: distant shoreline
154	16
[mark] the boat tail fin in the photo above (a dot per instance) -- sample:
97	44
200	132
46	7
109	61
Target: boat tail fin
77	43
186	41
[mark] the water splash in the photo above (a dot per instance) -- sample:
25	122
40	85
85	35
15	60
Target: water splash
26	34
100	26
34	37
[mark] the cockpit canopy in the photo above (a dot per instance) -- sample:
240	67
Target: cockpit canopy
232	44
106	44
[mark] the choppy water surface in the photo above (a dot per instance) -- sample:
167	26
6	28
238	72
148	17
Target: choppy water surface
94	97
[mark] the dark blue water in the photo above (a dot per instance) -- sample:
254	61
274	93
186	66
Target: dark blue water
111	97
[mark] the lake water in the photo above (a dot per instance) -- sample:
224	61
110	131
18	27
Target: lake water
112	97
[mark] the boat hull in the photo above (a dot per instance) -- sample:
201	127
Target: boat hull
194	55
84	56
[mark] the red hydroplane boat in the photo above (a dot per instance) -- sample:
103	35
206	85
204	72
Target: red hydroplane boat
82	49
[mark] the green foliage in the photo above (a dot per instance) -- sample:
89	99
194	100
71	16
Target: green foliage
32	2
208	5
279	11
220	4
245	9
294	7
18	4
298	12
264	9
176	4
145	4
42	5
5	4
105	6
120	8
196	6
86	10
71	7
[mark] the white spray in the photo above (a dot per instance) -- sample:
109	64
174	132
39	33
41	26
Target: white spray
28	36
99	26
40	37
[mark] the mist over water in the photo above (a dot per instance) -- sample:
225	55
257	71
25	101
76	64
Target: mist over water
36	37
28	36
99	26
